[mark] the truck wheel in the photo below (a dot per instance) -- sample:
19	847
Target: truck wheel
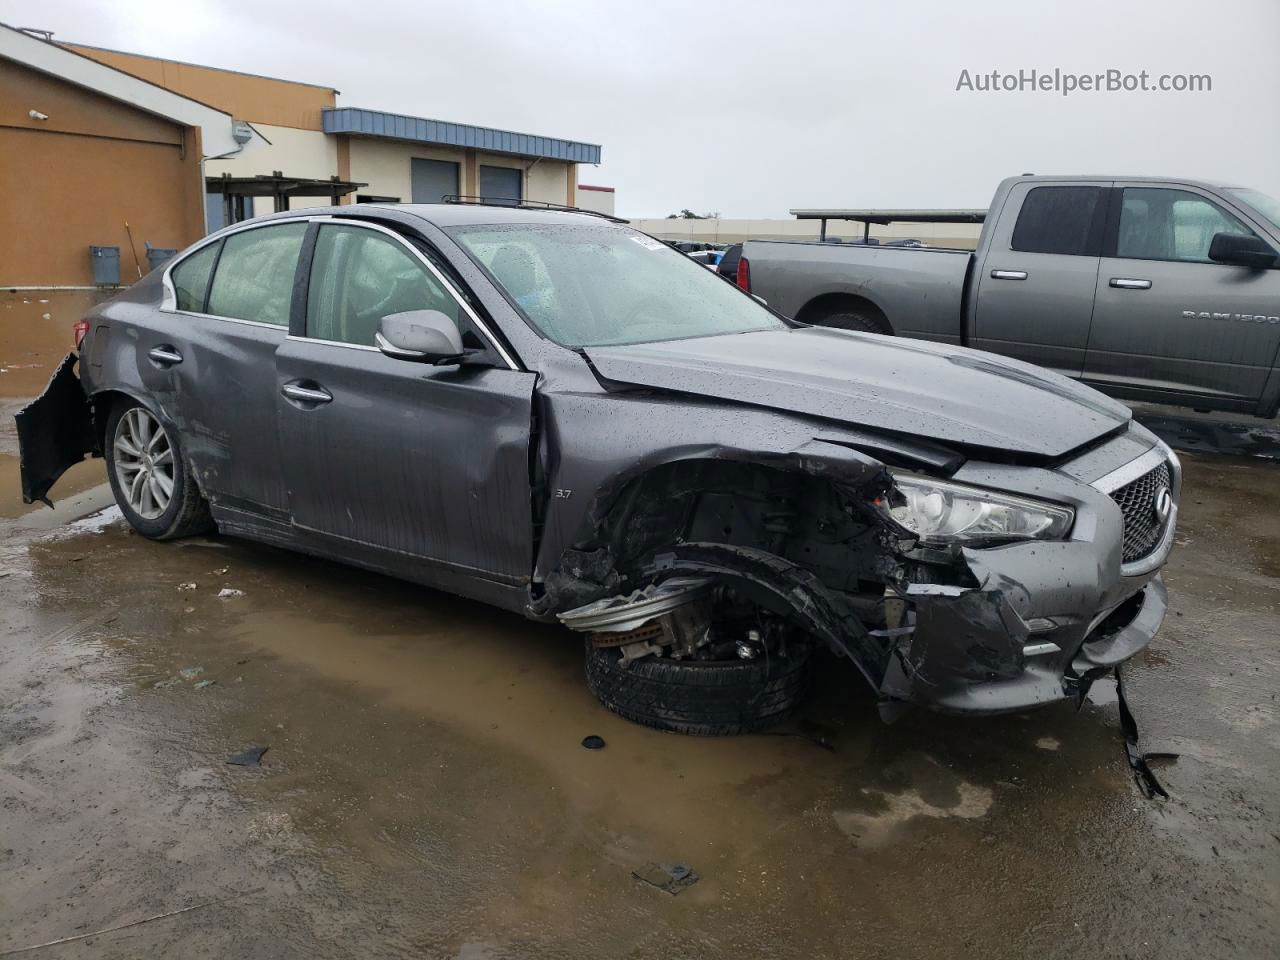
866	321
150	477
704	698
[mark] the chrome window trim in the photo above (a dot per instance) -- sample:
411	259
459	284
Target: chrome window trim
1127	473
282	327
332	343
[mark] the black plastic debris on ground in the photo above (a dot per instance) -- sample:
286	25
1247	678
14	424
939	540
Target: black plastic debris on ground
593	742
1143	775
1216	436
672	878
249	758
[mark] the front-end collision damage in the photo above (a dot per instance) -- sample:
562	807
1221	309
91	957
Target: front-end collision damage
791	533
1008	600
1014	638
984	628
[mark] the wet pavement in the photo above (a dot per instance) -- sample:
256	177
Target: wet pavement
425	792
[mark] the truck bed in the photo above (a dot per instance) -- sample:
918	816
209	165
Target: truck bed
922	288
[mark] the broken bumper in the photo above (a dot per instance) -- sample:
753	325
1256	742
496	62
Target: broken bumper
1005	668
1044	619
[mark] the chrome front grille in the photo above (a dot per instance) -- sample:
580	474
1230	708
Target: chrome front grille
1143	526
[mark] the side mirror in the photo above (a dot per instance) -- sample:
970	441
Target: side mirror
427	336
1243	251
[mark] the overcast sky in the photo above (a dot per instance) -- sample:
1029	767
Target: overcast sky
751	108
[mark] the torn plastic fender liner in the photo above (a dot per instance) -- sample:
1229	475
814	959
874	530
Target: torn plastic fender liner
786	589
55	432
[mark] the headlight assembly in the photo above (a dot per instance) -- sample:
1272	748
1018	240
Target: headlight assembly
940	512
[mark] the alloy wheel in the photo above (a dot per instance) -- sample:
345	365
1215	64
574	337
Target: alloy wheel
144	463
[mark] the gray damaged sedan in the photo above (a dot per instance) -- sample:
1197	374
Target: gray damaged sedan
565	418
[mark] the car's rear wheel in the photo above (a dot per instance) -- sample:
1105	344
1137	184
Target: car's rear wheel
149	475
701	697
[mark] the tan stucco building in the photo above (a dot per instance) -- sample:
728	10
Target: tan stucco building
305	135
178	149
85	150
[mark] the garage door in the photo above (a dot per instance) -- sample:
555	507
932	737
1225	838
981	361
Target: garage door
500	183
433	180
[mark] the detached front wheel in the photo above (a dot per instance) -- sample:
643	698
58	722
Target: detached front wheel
700	697
149	476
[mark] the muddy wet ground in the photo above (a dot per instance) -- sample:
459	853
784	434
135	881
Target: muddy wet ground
425	792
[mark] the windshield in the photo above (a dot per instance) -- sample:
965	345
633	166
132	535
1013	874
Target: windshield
1269	207
589	285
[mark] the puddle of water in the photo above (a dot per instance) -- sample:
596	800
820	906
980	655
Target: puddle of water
875	830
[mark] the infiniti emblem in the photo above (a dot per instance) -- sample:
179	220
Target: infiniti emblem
1163	504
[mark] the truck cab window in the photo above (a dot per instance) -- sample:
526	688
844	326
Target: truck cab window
1162	224
1061	220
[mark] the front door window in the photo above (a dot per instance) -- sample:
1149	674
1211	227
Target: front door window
1161	224
359	276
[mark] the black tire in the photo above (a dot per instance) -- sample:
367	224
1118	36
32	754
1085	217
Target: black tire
865	321
703	698
187	512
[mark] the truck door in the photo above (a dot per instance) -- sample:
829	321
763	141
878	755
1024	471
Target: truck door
1170	324
1035	287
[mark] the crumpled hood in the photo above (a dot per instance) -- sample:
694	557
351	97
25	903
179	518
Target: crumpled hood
945	393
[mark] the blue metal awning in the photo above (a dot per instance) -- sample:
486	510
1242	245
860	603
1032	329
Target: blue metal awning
357	121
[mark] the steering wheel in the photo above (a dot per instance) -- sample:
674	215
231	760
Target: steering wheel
378	310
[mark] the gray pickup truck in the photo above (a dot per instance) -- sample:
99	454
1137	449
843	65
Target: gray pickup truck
1147	289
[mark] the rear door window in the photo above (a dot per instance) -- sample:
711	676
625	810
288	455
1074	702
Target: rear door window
359	276
254	279
1061	220
191	278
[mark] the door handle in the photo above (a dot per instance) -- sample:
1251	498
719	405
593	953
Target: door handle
306	394
1130	283
165	355
1008	274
